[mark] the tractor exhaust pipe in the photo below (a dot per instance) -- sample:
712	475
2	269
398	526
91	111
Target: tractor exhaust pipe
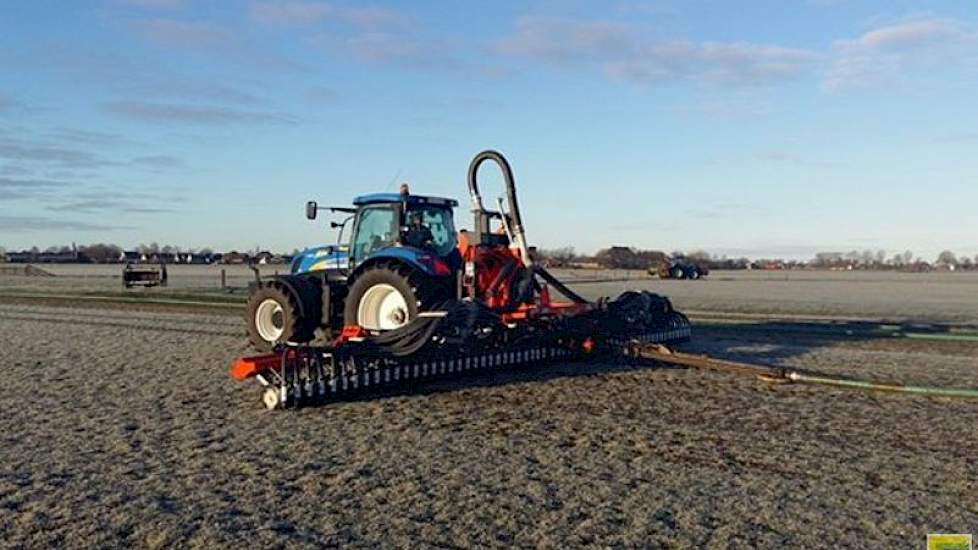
512	220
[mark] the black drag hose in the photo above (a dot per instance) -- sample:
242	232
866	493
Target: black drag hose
459	320
507	178
561	287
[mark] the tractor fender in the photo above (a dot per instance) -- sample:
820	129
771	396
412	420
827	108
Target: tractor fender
416	259
305	290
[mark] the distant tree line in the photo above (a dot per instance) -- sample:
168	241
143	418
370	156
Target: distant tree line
626	257
153	252
622	257
879	260
613	257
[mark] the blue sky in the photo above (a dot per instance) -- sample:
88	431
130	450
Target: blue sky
771	128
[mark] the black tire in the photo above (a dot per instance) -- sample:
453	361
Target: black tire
420	292
693	273
676	272
289	319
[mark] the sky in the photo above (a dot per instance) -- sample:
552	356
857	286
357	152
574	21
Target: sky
757	128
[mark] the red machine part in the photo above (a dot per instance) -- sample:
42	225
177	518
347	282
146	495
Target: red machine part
246	367
495	271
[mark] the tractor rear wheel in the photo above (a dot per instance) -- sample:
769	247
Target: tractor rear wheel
389	296
273	316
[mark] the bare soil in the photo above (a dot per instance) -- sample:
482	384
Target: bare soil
122	429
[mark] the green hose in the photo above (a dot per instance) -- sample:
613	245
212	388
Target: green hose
964	337
867	385
809	328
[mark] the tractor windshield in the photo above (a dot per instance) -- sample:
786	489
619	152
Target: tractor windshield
376	227
430	227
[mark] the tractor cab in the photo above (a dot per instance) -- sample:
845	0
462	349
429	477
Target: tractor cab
422	226
415	229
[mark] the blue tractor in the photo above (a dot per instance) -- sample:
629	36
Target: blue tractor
401	259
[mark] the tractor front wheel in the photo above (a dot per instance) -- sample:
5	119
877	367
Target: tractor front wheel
273	316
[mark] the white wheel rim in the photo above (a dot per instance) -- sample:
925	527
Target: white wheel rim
382	307
271	398
269	320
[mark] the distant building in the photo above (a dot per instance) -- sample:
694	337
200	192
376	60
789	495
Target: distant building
235	257
20	257
163	257
266	257
132	257
46	258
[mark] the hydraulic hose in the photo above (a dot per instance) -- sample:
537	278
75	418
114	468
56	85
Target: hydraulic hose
773	374
479	211
561	287
933	391
504	167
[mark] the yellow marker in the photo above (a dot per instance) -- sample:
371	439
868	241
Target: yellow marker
941	541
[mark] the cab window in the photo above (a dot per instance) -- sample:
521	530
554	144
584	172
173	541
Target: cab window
432	227
376	228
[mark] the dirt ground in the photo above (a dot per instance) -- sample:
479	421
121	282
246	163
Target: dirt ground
122	429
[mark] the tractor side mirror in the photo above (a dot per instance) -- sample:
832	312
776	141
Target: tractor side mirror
311	209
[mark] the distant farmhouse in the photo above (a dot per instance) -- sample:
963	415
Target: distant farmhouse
106	254
63	256
232	258
139	257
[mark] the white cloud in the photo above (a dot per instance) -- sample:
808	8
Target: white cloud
960	137
372	17
402	49
33	224
155	4
732	63
25	150
142	111
322	95
290	13
368	33
625	54
779	156
560	41
173	33
908	34
7	103
889	52
299	13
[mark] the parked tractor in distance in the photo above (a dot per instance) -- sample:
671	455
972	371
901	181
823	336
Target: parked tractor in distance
679	267
143	275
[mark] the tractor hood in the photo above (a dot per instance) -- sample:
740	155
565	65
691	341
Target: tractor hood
320	258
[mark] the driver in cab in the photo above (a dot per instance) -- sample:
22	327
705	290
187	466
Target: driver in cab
418	234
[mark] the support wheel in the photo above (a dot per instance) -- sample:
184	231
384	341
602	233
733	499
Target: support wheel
271	398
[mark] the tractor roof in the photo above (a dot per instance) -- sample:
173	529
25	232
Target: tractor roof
388	198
